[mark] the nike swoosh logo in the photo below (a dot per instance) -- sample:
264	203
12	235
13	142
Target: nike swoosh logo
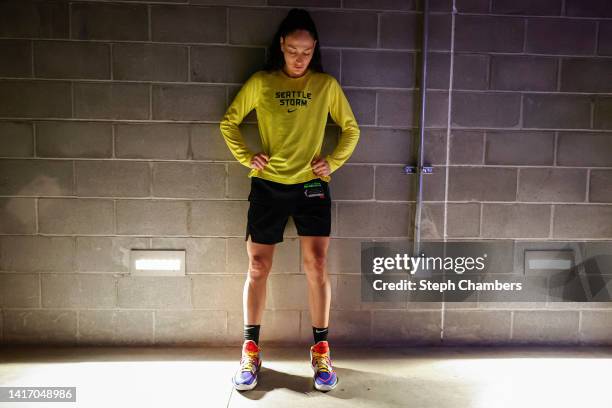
291	110
319	331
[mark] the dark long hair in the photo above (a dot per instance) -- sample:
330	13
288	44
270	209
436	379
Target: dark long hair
297	19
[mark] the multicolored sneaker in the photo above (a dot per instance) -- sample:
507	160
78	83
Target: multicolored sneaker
250	363
325	377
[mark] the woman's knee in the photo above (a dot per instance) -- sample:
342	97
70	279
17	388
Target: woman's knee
315	261
259	267
315	267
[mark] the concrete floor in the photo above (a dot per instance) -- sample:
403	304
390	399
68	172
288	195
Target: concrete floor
375	377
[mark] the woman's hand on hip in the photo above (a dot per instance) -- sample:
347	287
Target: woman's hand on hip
320	167
259	161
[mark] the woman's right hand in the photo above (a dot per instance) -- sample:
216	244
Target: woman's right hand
259	161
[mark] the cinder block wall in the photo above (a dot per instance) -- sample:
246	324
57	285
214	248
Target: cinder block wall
109	141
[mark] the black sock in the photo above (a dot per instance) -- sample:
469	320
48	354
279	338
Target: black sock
251	332
319	333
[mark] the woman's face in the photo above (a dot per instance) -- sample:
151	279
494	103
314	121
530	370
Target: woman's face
298	48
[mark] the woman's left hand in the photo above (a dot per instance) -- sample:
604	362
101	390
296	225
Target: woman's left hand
320	167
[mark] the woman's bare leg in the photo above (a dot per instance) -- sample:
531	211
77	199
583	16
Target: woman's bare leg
314	257
254	293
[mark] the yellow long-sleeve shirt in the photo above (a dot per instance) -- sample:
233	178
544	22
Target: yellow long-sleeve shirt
291	116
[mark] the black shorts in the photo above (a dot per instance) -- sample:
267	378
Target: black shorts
272	203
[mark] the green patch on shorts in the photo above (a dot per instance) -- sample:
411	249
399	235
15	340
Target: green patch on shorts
312	184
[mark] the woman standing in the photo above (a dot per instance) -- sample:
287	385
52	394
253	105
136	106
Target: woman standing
292	97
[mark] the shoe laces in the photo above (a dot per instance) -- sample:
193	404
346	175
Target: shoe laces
322	361
249	360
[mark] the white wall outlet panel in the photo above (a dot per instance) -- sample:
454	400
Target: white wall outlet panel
548	261
151	262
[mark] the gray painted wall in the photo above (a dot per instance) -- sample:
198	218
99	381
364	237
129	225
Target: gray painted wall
109	140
